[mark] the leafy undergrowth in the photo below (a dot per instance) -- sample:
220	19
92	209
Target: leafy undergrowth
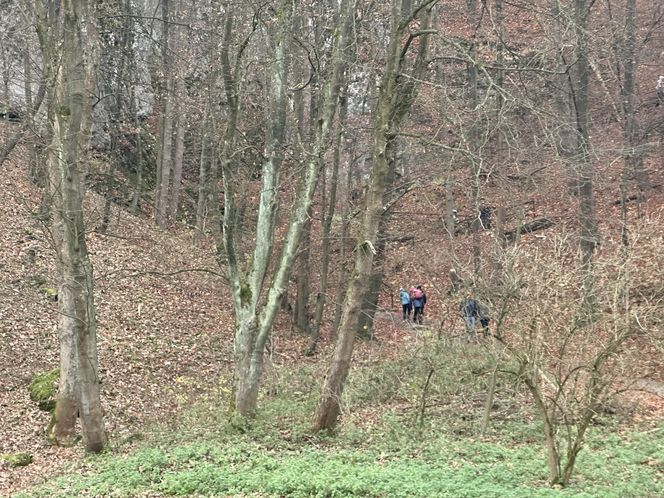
393	454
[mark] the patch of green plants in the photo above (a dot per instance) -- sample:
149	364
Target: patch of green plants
428	465
43	388
17	459
379	453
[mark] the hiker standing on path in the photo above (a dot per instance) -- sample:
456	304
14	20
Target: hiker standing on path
406	305
424	300
470	311
419	299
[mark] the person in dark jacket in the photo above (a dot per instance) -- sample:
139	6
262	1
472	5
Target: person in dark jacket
485	217
470	311
419	300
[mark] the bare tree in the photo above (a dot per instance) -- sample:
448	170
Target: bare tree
573	371
70	69
255	310
394	100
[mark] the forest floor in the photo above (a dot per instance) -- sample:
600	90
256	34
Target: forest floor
165	319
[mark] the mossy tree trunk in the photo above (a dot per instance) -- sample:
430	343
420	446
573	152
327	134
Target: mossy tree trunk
394	100
71	71
255	308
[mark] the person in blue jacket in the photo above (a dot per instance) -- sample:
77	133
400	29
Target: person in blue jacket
406	305
470	311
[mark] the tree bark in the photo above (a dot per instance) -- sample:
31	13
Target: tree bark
393	100
165	143
327	227
178	160
71	69
588	221
247	288
203	180
302	313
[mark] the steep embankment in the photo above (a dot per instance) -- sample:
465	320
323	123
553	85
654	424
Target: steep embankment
164	332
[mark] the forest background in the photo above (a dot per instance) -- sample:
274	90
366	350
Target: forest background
252	183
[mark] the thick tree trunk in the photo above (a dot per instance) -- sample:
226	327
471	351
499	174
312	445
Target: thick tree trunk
70	108
372	295
66	407
246	390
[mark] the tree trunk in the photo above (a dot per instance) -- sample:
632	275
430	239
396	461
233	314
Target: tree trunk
138	186
633	159
302	313
393	101
343	269
70	109
180	126
589	235
165	143
327	226
247	290
370	299
203	180
552	453
166	154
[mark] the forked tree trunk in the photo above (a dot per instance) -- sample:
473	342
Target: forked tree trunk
247	287
71	69
550	443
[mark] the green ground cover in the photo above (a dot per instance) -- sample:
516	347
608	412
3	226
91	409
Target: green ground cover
383	450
